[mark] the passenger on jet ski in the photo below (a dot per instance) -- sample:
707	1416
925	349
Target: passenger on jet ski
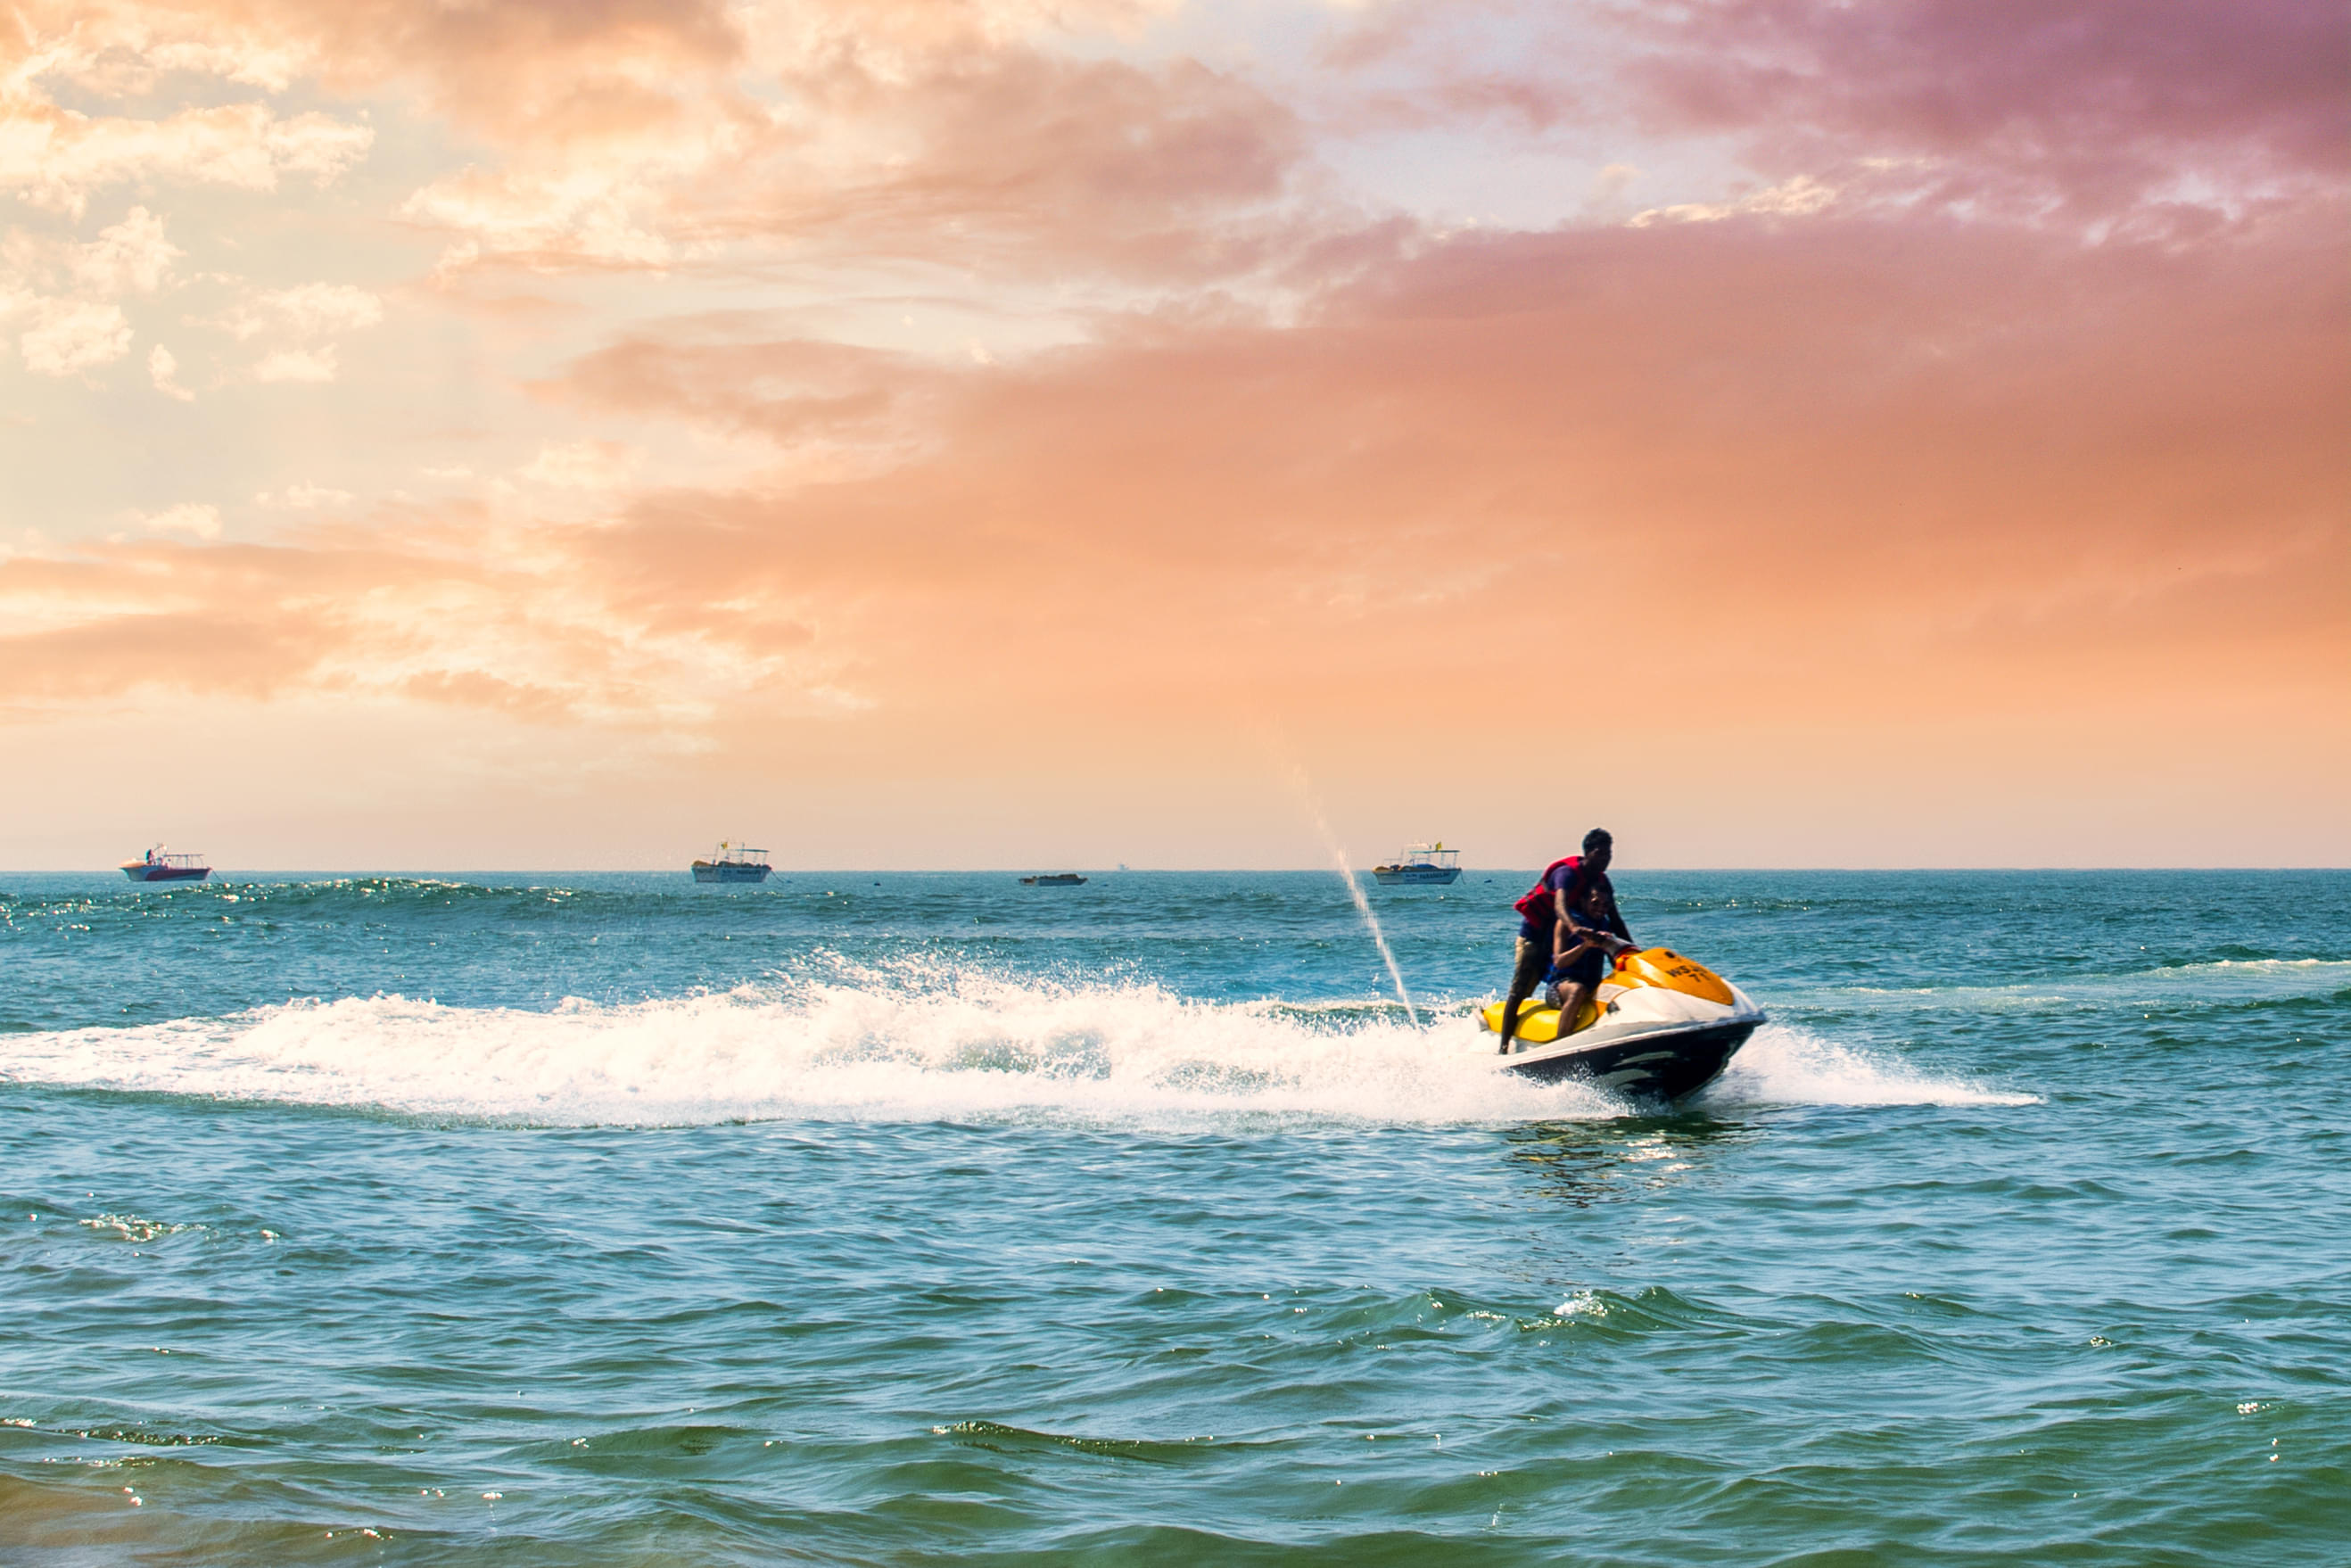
1561	916
1592	927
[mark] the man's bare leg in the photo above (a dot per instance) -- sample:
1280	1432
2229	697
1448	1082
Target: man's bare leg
1570	999
1510	1014
1524	978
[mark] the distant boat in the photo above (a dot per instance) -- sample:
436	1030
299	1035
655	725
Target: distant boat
157	866
1059	879
733	862
1420	864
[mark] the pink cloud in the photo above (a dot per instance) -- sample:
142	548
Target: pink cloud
2101	101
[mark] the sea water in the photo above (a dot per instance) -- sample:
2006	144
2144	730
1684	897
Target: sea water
928	1218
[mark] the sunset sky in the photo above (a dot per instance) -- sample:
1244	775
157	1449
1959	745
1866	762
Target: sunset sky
567	433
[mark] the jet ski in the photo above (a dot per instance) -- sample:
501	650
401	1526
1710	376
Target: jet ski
1659	1026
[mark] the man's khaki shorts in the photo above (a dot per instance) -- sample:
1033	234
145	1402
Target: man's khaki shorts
1533	960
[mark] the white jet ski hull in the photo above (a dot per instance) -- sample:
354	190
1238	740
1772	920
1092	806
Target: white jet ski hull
1652	1064
1660	1027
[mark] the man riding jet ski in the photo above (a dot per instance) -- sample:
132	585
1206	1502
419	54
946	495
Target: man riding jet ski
1652	1023
1659	1026
1569	924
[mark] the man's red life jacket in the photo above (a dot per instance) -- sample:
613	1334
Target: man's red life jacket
1538	906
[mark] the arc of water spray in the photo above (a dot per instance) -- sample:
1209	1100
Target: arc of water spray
1306	797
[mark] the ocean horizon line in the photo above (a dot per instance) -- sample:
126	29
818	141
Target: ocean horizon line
1621	871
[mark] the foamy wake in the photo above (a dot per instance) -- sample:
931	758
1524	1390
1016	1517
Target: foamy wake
1784	1066
889	1046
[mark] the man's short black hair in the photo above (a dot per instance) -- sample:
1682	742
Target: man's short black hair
1598	840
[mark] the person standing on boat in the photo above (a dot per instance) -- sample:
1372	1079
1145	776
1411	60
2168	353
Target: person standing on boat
1568	925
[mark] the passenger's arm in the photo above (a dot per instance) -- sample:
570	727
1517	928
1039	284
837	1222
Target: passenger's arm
1607	941
1616	921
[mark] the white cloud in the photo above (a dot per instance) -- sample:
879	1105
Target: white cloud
160	368
272	68
297	365
307	310
305	498
85	328
131	257
562	218
122	52
71	335
188	517
304	313
315	309
1799	197
55	157
584	465
1608	187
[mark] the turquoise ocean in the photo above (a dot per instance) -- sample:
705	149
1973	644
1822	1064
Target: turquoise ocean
909	1219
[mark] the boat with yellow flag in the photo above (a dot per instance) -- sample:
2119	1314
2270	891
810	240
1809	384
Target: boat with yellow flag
1419	865
733	862
1658	1025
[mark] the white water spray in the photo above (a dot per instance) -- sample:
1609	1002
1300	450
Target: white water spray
1355	889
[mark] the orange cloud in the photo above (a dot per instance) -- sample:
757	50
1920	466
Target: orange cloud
1009	161
1796	464
630	134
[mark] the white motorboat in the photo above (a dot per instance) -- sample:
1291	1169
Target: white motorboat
158	865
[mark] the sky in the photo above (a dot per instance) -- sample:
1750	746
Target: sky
922	433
